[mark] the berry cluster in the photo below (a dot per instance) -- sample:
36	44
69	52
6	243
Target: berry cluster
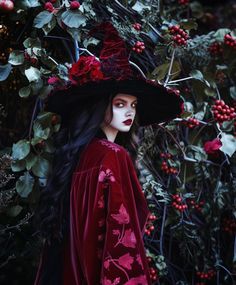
215	49
194	205
206	275
137	26
138	47
32	60
152	270
7	5
229	225
191	123
222	112
150	227
230	41
179	36
74	5
49	7
183	2
165	165
178	203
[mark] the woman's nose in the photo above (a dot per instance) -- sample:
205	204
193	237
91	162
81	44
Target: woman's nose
130	112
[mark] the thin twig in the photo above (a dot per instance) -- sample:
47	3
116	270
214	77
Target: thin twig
170	68
179	80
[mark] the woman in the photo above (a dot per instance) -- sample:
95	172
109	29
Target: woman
93	233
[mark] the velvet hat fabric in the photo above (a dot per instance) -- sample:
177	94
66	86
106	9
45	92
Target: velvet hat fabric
91	78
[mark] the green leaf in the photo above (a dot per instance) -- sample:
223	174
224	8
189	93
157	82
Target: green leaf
40	132
43	18
41	167
219	34
228	144
18	165
189	24
32	42
24	92
36	86
49	26
21	149
14	211
45	90
161	71
28	3
16	57
196	152
73	19
196	74
196	9
200	114
90	41
30	160
139	7
24	185
232	91
5	71
32	74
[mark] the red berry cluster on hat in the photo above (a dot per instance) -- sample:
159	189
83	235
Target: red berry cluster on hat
137	26
179	36
222	112
230	41
138	47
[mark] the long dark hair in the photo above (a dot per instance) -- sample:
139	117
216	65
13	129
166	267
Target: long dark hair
52	215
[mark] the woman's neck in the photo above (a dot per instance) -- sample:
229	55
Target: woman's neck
110	132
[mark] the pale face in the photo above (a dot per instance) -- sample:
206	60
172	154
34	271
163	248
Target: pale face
124	111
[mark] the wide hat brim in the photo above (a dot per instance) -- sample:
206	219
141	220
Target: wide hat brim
155	103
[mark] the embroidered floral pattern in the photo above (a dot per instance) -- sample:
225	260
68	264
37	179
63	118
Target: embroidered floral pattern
126	260
111	145
106	176
125	240
122	217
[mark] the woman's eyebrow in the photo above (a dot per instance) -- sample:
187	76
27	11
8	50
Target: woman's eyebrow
123	100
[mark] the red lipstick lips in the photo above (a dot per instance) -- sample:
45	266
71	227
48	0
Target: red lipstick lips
128	122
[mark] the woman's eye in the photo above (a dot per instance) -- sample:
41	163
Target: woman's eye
134	105
119	105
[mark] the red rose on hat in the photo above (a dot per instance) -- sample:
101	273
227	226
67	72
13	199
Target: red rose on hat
86	69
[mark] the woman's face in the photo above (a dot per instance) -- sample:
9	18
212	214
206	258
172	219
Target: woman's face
123	112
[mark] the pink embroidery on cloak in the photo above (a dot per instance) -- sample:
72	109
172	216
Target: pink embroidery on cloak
138	258
126	260
112	146
101	202
129	239
105	176
137	280
109	282
122	217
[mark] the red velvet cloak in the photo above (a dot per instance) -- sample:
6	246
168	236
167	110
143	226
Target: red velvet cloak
108	212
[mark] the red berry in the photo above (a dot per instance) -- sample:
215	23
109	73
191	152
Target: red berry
49	7
74	5
6	5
